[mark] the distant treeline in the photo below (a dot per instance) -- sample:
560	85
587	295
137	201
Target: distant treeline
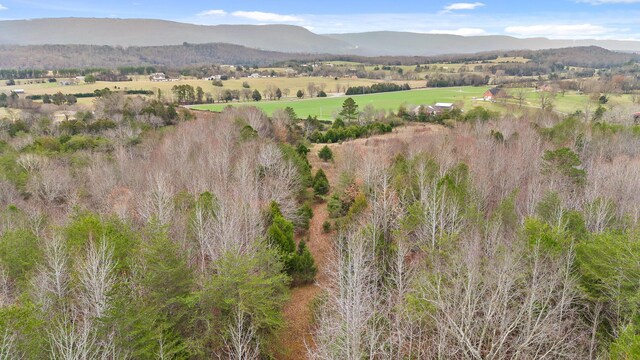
463	79
102	74
96	93
133	59
376	88
78	60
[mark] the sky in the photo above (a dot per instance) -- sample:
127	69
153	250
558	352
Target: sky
565	19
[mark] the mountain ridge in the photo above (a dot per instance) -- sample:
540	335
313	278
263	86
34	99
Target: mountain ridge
280	38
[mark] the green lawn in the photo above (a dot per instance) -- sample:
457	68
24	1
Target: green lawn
327	108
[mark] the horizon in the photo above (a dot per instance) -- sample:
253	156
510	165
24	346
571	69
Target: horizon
590	19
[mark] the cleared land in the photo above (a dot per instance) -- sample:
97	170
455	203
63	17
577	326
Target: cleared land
571	101
294	84
327	108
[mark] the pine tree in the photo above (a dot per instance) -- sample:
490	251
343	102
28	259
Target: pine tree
304	269
349	110
325	153
320	183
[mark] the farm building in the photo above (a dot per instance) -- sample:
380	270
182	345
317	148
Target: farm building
442	107
158	77
493	94
18	91
60	116
436	109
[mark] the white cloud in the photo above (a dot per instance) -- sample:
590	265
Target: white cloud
2	7
461	32
558	30
267	17
463	6
213	13
603	2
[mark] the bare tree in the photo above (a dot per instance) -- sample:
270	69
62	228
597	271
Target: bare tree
242	342
547	99
7	346
521	96
348	325
52	282
157	202
72	339
499	305
96	274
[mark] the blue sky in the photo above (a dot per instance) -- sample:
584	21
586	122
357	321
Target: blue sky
573	19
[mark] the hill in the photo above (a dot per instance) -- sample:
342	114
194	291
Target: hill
179	56
407	44
146	32
281	38
88	56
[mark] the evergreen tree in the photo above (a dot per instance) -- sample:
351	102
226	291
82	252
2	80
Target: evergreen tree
325	154
256	95
349	110
304	269
320	183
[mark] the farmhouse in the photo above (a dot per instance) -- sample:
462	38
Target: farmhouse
436	109
18	91
158	77
60	116
442	107
493	94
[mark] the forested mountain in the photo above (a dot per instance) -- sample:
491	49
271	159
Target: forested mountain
284	38
176	56
83	56
147	32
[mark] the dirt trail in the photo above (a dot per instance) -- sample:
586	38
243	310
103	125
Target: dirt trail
297	312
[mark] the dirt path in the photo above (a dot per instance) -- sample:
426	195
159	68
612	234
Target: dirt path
297	312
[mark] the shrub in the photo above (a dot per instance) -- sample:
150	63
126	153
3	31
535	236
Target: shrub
325	154
326	226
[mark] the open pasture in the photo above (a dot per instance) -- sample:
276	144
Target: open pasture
327	108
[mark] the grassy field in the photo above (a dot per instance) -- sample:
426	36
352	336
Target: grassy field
327	108
572	101
140	83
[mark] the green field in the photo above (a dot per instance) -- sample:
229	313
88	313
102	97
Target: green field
327	108
572	101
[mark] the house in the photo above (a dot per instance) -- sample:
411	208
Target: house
158	77
436	109
493	94
254	76
60	116
442	107
18	91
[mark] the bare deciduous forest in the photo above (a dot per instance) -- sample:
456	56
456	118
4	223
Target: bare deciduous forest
141	231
